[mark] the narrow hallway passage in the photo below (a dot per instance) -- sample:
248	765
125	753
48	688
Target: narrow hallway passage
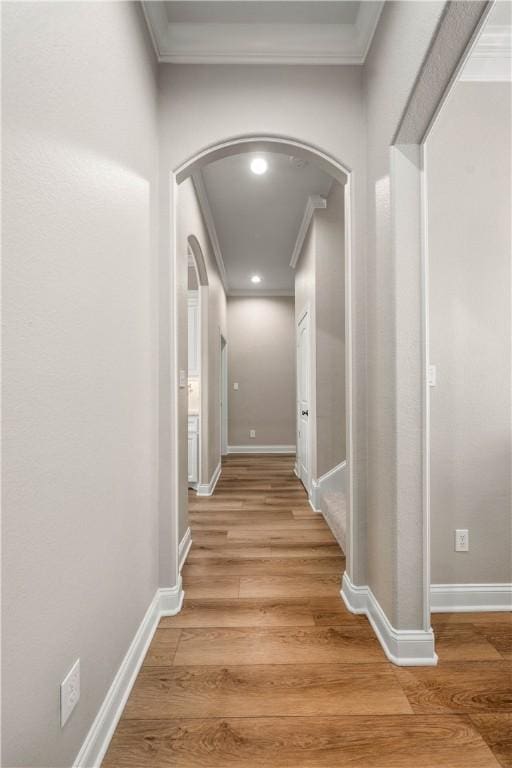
264	666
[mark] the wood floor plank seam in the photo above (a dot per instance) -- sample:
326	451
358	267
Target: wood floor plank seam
282	675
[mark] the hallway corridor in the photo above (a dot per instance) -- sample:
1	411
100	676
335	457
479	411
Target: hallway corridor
264	666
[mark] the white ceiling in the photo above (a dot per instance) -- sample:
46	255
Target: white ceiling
257	218
262	31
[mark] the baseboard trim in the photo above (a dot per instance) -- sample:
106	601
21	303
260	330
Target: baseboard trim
403	647
206	489
458	598
184	548
261	449
166	602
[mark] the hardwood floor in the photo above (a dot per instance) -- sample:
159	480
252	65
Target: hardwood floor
264	666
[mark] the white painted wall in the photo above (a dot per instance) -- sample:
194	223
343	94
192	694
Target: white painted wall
262	360
80	522
469	204
213	323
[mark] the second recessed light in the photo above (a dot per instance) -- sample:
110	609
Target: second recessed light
255	279
259	165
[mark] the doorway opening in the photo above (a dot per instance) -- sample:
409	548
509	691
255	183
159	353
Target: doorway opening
297	155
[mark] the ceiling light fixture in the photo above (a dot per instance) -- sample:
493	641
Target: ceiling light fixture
259	166
255	279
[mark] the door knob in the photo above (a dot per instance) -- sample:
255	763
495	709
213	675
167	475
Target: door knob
305	413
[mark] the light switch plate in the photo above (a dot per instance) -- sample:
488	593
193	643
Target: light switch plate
69	693
235	385
252	433
432	375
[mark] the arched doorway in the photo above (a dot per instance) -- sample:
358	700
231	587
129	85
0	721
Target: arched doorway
342	174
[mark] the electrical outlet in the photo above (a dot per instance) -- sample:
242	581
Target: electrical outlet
69	693
235	385
252	433
462	540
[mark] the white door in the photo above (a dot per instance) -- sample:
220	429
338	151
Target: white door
223	396
303	399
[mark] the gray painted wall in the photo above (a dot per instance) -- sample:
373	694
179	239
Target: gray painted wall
80	452
469	206
261	354
320	286
401	42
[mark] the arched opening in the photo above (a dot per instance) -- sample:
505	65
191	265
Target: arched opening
337	171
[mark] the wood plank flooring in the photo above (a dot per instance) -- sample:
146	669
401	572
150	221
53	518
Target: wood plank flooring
264	666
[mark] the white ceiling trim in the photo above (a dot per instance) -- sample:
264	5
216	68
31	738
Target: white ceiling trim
260	294
202	197
491	58
262	43
314	202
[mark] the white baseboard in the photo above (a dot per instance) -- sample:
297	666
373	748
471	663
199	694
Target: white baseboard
184	548
261	449
206	489
404	647
166	602
470	597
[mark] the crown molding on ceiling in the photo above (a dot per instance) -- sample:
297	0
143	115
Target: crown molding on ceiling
204	204
260	294
491	58
262	43
314	202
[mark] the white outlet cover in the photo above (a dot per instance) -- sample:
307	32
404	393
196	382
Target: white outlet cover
69	693
235	385
252	433
462	540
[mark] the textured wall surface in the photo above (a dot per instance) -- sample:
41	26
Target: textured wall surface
469	204
262	360
400	44
80	523
213	323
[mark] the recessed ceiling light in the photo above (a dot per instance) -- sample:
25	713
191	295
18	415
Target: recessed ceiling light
255	279
259	165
